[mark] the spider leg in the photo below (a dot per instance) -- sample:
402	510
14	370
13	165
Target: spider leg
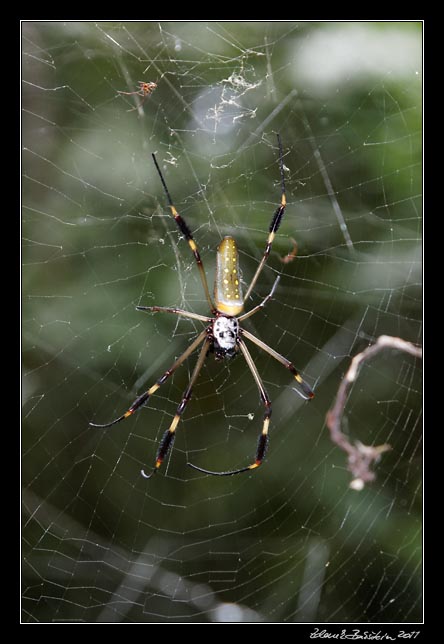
140	103
183	227
262	443
170	434
165	309
274	225
144	397
139	92
260	306
277	356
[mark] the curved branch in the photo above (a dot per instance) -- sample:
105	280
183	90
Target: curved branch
360	456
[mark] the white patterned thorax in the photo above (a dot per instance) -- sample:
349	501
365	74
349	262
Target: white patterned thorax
225	331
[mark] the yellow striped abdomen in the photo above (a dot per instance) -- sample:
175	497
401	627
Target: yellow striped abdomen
227	286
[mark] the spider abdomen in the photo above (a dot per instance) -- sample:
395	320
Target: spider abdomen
225	336
227	286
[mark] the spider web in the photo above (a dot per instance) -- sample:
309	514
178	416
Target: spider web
290	542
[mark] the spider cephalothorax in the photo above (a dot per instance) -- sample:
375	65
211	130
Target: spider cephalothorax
223	335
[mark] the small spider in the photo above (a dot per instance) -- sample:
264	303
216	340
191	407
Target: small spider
223	334
145	90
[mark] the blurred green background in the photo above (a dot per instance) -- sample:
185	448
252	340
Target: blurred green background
290	541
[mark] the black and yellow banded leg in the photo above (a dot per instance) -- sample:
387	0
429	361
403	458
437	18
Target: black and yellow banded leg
262	443
306	389
274	225
183	227
169	372
169	436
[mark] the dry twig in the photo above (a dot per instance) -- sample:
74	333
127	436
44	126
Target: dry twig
292	254
360	456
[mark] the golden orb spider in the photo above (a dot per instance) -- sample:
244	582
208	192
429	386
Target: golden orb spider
223	334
